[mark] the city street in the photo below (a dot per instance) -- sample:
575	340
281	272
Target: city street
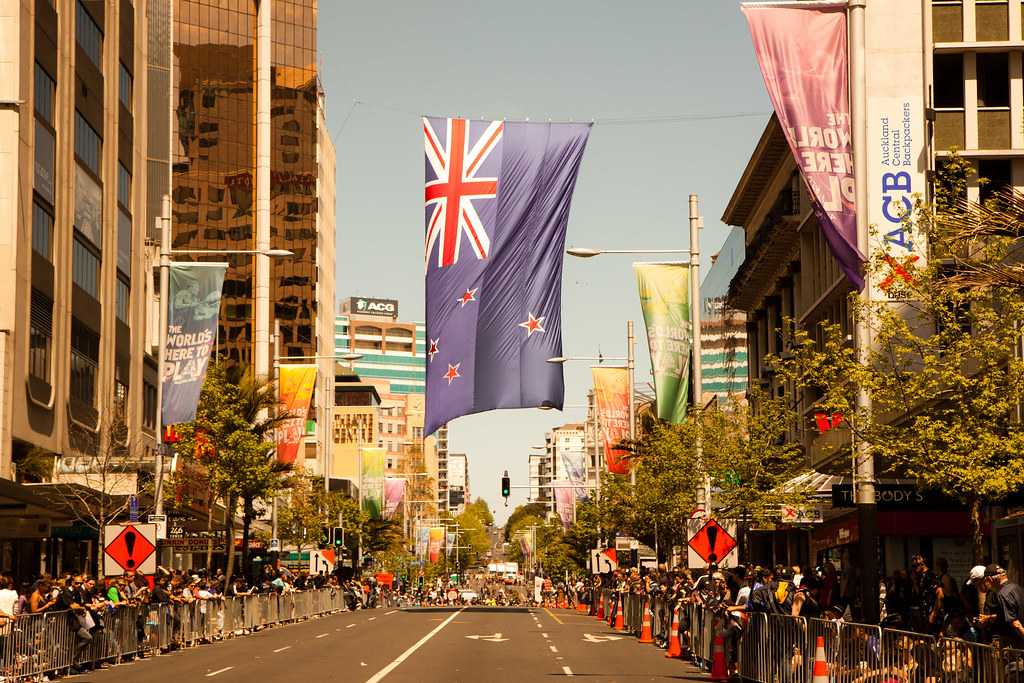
417	646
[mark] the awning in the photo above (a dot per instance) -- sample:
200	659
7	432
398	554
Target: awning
24	514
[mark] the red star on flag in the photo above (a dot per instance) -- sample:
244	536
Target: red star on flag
453	372
470	295
432	351
532	325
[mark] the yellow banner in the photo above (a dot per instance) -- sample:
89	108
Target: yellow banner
295	387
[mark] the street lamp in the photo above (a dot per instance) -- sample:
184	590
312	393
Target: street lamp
696	222
165	266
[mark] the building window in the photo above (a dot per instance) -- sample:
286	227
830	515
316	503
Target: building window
85	358
125	87
42	231
124	187
998	174
148	405
88	144
40	335
45	94
89	35
123	296
949	81
85	267
120	398
993	73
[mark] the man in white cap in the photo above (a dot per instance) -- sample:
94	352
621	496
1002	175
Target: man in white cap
974	596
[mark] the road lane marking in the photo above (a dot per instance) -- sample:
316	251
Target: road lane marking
379	676
282	649
553	649
351	626
567	670
371	618
219	671
554	617
323	635
544	634
394	611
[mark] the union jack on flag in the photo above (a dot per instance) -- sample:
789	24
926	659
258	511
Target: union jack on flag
461	170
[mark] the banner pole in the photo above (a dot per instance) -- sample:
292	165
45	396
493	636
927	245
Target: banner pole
631	369
696	370
864	465
165	274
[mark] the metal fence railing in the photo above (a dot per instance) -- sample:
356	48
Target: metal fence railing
53	643
777	648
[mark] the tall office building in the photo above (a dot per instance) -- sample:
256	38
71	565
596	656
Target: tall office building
74	130
723	329
229	83
458	483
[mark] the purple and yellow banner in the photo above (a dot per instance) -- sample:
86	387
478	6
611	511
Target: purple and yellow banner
565	501
193	308
801	48
295	388
394	491
371	484
611	394
665	302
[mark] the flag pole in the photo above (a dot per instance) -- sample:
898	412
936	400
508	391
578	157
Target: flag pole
631	369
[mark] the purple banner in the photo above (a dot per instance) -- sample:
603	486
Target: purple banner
394	491
565	501
801	48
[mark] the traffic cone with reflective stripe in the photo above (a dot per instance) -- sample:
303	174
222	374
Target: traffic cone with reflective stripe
646	635
675	648
819	674
620	622
600	608
719	669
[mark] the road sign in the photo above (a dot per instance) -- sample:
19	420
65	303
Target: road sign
161	525
493	638
133	509
129	547
275	545
602	561
712	543
321	561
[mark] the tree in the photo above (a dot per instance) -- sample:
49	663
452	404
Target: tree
943	372
232	438
101	480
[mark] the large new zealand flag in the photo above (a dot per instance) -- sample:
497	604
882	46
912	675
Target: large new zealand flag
497	203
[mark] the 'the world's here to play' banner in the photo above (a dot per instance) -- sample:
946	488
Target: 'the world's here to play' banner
611	393
665	301
193	308
295	388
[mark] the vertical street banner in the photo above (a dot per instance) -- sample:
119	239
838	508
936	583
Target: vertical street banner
435	539
897	153
450	542
295	388
574	466
422	541
496	205
665	302
565	501
193	308
394	491
372	482
801	48
611	394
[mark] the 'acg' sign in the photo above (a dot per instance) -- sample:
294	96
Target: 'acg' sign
387	308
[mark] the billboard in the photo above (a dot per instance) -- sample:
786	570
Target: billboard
351	427
384	308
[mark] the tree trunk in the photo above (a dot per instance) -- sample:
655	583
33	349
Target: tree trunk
246	524
976	533
229	537
210	500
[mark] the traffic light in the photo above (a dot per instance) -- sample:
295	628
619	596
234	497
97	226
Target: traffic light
338	536
325	536
506	487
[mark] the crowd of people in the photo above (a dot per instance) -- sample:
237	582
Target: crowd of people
89	604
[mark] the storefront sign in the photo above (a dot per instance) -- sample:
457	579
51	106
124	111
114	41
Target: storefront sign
835	535
895	497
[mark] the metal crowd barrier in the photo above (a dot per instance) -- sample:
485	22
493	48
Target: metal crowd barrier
51	643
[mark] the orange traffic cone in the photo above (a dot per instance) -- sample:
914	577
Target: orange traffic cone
719	669
646	636
620	624
581	607
819	674
675	648
600	608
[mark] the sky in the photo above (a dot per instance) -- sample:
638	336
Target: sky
623	65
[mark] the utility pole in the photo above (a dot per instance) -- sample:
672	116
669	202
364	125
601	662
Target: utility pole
631	369
864	465
696	366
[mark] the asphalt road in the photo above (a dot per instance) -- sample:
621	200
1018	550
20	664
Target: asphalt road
415	647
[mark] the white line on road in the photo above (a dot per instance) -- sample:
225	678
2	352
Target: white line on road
379	676
545	635
219	671
351	626
553	648
372	618
323	635
567	670
282	649
388	614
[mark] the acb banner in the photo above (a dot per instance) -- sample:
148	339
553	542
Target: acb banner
295	388
611	393
193	309
665	302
